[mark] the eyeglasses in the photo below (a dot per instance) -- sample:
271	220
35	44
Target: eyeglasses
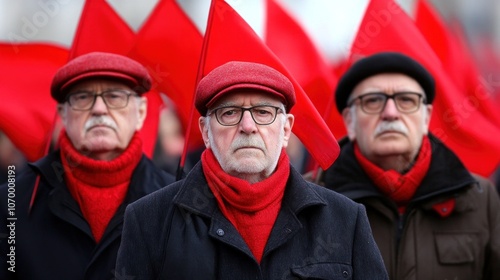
374	103
113	98
232	115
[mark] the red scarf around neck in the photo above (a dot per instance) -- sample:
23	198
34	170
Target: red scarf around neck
99	186
251	208
399	187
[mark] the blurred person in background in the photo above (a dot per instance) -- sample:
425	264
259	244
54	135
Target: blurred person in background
431	218
9	156
170	143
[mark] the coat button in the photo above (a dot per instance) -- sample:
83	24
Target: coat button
220	232
345	274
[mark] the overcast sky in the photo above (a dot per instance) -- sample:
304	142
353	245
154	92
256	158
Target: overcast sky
332	24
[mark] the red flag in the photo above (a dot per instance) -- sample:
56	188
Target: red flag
28	110
456	60
229	37
101	29
456	121
170	44
286	38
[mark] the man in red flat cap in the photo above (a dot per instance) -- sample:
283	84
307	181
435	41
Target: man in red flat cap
243	212
69	205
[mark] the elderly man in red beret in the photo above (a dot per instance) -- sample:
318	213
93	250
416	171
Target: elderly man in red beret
431	218
69	206
243	212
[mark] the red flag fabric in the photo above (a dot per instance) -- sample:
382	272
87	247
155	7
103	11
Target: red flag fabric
456	60
229	37
288	40
28	110
101	29
170	44
456	121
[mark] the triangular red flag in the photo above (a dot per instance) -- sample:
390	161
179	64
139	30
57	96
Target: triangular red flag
229	37
101	29
387	27
26	73
170	44
288	40
456	60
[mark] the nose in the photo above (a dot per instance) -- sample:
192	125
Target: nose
99	107
390	111
247	124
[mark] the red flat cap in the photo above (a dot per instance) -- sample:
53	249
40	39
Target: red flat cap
238	75
100	65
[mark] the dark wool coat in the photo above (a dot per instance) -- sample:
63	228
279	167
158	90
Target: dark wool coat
180	233
425	243
55	241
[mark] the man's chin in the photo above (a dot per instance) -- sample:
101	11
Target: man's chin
100	145
391	136
249	153
391	149
98	131
250	167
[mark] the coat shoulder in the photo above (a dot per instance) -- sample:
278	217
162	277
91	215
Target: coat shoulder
336	205
160	199
333	197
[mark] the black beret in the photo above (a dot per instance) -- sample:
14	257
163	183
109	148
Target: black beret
238	75
100	65
384	62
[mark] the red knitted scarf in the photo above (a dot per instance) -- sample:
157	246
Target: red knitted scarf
98	186
251	208
399	187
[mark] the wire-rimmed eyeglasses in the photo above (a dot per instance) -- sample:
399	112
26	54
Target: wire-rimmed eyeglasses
113	98
374	103
232	115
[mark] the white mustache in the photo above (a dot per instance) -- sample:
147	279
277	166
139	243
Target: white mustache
100	120
385	126
243	142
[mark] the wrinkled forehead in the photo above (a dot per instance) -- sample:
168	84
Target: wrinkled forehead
248	98
388	83
98	84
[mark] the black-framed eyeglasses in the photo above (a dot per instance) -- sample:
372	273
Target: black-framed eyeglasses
113	98
374	103
232	115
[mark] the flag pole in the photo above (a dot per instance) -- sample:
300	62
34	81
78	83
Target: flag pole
201	66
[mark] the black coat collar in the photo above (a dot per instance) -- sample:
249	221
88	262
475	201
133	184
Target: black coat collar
446	174
195	195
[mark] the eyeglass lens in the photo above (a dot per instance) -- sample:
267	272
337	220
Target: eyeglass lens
232	115
406	102
84	100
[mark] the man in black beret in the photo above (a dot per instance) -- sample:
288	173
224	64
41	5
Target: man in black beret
66	214
431	218
243	212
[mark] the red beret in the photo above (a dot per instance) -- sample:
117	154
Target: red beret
239	75
100	65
